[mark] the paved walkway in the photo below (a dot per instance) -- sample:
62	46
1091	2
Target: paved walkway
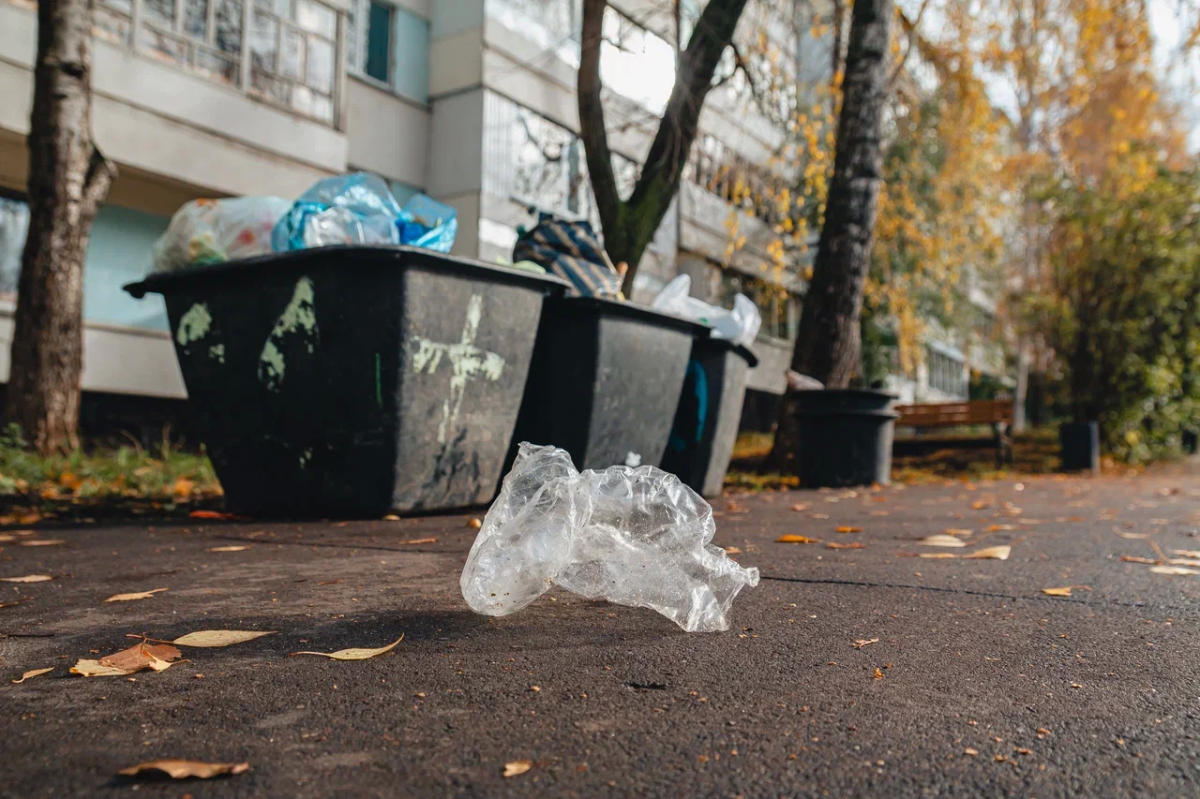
978	683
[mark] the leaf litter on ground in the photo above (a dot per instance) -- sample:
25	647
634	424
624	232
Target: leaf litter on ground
184	769
29	578
796	539
135	595
942	541
213	639
514	768
1065	590
29	675
354	653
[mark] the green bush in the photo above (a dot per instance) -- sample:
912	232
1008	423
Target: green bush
1121	308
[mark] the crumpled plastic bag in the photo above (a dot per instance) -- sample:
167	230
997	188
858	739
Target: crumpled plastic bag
799	382
214	231
740	325
570	249
636	537
359	208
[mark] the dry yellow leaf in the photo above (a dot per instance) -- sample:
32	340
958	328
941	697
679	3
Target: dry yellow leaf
1184	562
1186	553
878	673
800	507
938	555
218	638
143	655
135	595
43	542
847	529
981	504
430	540
94	668
1173	570
29	675
796	539
942	541
861	642
183	487
391	517
68	480
354	654
1137	559
970	751
516	767
1137	536
995	528
231	548
185	769
733	550
29	578
855	545
6	537
956	531
990	553
1065	591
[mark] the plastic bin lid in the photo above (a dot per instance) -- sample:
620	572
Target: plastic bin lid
344	257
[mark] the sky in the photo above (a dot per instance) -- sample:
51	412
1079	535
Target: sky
1182	79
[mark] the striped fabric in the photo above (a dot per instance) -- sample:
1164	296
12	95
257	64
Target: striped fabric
572	251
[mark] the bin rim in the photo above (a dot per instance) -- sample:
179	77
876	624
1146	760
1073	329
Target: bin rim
845	392
641	313
737	347
404	256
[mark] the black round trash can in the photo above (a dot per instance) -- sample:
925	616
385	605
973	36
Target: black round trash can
845	437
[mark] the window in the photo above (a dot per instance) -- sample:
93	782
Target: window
946	374
554	25
14	225
389	45
636	63
293	55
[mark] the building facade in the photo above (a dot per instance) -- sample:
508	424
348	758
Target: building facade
470	101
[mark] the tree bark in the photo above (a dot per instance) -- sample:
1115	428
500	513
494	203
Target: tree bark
828	346
68	179
629	225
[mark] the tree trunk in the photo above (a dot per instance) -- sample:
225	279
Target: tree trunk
828	346
68	179
629	225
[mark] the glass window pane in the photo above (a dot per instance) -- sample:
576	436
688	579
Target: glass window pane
275	89
280	8
110	26
229	26
302	100
320	65
322	108
162	11
216	65
379	43
195	18
160	45
316	18
292	61
264	37
14	224
125	6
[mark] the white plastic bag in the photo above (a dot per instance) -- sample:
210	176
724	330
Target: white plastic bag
740	325
636	537
213	231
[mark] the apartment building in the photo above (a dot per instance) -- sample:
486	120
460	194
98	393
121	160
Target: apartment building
470	101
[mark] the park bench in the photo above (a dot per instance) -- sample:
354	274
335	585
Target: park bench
997	414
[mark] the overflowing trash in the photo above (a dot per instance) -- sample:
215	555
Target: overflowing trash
636	537
799	382
572	251
740	325
359	208
214	231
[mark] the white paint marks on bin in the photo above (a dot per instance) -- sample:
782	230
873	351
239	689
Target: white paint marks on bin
194	324
300	316
217	353
467	362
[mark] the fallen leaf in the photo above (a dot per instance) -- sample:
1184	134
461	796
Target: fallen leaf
212	514
1065	591
355	654
942	541
391	517
956	531
6	537
68	480
970	751
861	642
855	545
185	769
845	529
1186	553
881	513
1184	562
990	553
1138	536
800	507
1136	559
231	548
94	668
1020	750
981	504
796	539
183	487
29	578
995	528
516	767
938	555
474	523
43	542
1173	570
143	655
999	758
219	638
28	518
29	675
878	673
733	551
430	540
9	604
818	515
135	595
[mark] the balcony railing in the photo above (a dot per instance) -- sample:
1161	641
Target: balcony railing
284	52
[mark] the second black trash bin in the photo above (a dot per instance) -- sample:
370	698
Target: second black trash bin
710	410
605	381
350	381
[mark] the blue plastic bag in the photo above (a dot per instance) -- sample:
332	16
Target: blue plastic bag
360	209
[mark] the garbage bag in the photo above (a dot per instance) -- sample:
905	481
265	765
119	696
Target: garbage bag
571	250
359	208
637	537
212	231
740	325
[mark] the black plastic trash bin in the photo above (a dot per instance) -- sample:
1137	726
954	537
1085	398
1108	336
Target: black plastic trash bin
710	410
605	381
1080	442
845	437
350	381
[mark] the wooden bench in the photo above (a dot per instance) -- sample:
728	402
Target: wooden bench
996	413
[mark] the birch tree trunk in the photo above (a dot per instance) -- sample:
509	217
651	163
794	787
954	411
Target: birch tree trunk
68	179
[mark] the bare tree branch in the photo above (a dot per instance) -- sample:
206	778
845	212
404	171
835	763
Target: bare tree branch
592	128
